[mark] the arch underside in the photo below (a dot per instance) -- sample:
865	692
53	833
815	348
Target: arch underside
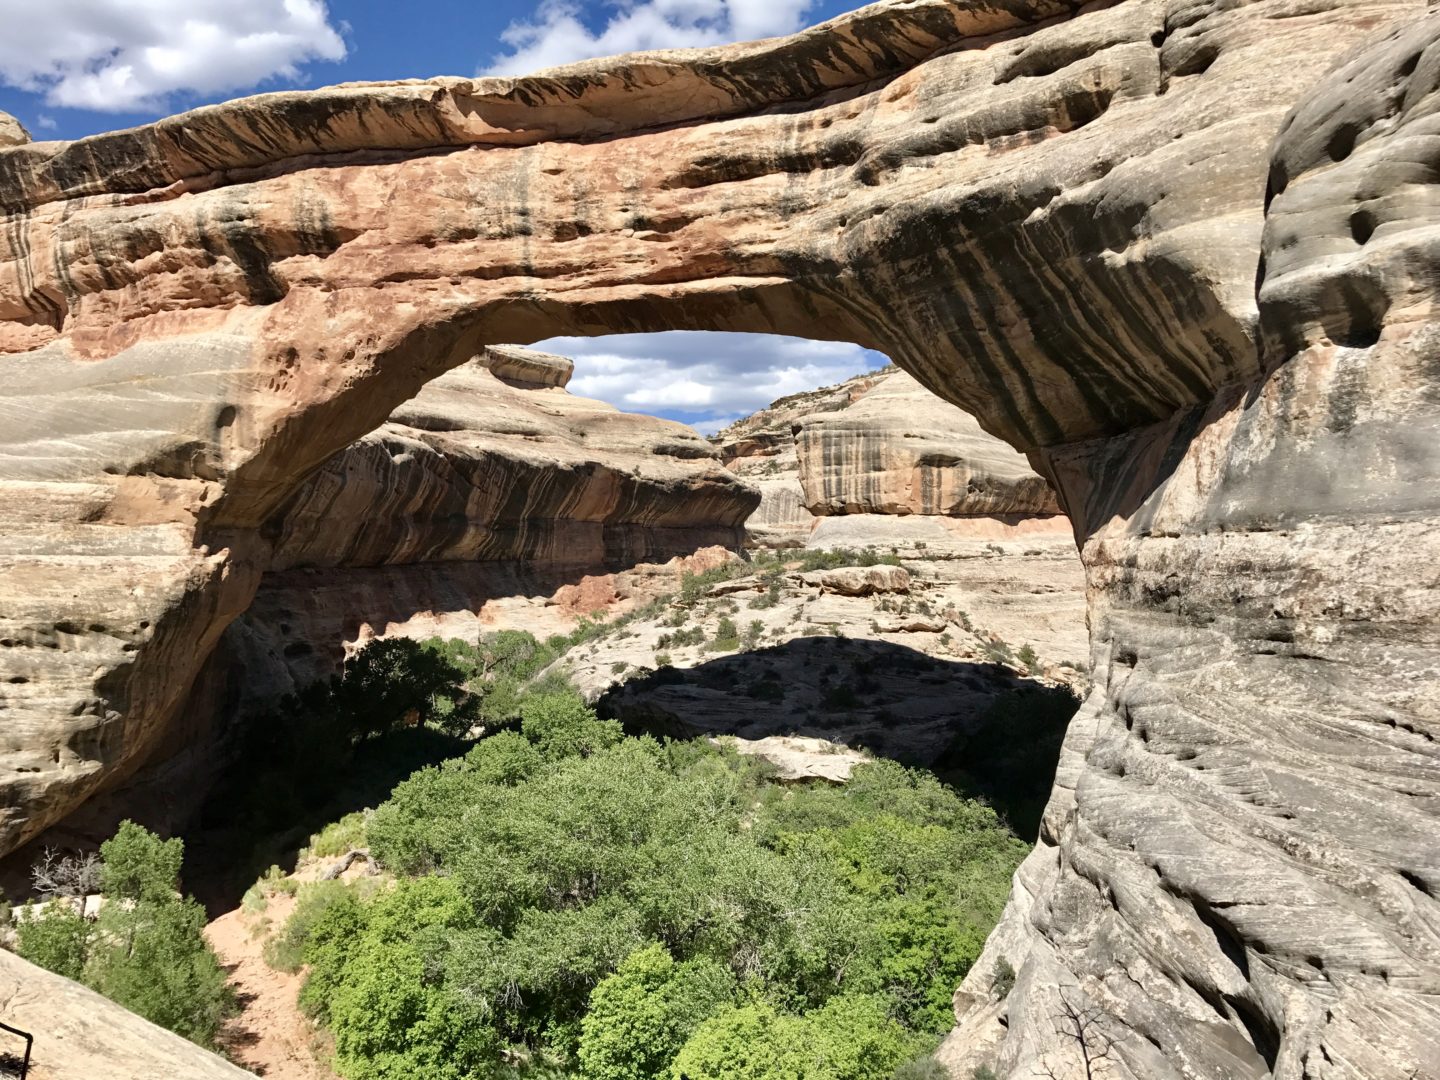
1075	223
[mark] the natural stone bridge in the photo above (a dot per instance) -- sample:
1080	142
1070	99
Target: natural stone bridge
1184	253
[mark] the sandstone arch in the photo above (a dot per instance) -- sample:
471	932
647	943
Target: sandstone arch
1055	215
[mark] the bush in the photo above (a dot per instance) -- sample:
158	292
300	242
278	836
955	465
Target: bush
924	1067
639	1017
851	1038
395	682
560	725
286	950
1004	978
727	636
146	950
153	959
57	939
338	837
138	865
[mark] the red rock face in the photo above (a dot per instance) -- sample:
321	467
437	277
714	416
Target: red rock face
1055	216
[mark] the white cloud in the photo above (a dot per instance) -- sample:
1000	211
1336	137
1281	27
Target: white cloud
705	379
131	55
558	34
46	122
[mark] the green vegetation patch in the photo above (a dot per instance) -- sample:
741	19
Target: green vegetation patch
572	901
145	950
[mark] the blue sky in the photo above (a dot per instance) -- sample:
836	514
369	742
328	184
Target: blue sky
70	68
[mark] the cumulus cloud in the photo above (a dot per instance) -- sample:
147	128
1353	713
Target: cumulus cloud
131	55
558	34
705	379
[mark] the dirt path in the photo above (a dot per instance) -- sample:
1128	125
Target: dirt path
270	1037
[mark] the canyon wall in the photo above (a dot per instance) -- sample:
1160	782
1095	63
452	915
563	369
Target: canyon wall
879	443
1179	252
493	485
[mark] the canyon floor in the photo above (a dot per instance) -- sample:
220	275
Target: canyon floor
813	669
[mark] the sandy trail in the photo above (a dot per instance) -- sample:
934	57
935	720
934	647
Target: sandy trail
271	1036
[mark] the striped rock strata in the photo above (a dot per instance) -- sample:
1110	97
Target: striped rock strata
1180	252
879	443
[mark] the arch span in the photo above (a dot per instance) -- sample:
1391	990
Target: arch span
1055	215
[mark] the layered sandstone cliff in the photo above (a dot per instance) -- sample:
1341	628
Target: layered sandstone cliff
493	483
1180	252
879	443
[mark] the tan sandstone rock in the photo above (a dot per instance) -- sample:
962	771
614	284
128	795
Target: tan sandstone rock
1157	245
12	132
878	443
80	1035
860	580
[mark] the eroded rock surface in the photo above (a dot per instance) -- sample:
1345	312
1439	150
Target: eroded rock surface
879	443
12	132
1158	245
79	1034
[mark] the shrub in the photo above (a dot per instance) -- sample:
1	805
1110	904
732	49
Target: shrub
1026	655
1004	978
639	1017
727	636
338	837
392	682
152	958
55	875
286	950
57	939
850	1038
560	724
138	865
925	1067
146	950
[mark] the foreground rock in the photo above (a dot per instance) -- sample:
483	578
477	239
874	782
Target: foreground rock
80	1035
1157	245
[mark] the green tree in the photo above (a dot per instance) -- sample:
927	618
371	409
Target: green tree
394	681
154	961
138	865
639	1017
561	725
57	939
748	1042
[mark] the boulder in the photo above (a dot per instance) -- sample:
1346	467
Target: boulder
860	580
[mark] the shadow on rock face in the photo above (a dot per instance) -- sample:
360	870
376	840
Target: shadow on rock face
982	728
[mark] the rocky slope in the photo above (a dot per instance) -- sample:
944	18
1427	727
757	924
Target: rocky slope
1179	252
899	660
79	1034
